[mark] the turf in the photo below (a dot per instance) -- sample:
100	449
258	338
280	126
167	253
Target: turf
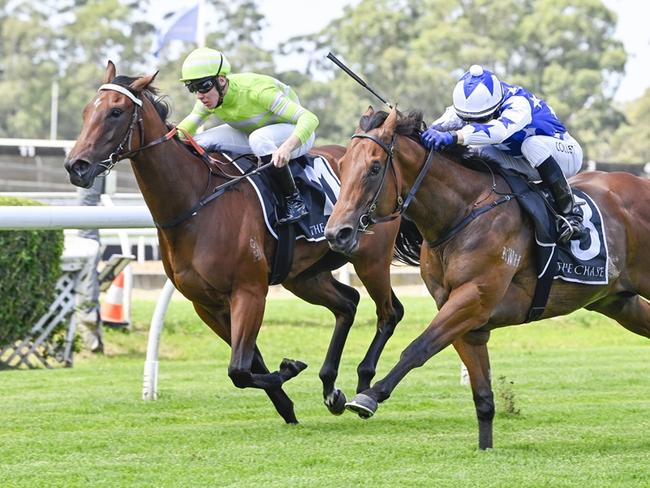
573	404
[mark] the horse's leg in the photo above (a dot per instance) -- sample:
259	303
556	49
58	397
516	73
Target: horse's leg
341	300
278	397
375	275
467	308
472	349
219	321
631	311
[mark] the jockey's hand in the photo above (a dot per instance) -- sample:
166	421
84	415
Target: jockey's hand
280	157
432	138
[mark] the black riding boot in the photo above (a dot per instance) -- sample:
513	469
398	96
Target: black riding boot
294	206
570	221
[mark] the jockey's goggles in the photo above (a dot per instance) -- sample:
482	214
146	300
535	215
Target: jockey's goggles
204	85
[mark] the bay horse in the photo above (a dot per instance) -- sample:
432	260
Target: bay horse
219	256
472	276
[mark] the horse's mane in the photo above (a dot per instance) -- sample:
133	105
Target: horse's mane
151	92
410	124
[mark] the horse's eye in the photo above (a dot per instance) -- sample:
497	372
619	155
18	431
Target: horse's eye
115	112
375	168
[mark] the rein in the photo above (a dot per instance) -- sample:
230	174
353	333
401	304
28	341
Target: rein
120	153
366	219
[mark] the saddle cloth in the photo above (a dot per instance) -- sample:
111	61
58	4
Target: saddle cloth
579	261
318	185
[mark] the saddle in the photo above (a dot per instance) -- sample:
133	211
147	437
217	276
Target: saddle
319	187
584	261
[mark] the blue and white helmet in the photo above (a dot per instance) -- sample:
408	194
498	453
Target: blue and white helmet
478	94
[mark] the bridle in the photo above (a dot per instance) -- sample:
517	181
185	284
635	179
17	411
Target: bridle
124	149
367	219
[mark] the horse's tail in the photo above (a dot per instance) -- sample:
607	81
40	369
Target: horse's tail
408	243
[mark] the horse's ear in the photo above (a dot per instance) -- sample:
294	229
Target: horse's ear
142	83
110	72
363	120
369	111
390	123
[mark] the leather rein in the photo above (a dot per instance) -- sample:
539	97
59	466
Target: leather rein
367	219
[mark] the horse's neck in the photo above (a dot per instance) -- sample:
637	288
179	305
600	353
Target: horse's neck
447	193
171	180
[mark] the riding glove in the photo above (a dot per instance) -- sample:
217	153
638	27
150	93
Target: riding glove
432	138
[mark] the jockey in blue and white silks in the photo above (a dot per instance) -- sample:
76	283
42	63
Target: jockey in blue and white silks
512	126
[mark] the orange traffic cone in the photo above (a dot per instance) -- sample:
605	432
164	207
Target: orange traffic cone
112	309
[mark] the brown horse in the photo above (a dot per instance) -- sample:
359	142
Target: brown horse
219	256
472	276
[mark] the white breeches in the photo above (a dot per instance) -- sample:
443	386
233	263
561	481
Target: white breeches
261	142
536	149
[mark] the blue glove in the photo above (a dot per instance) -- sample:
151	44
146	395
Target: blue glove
432	138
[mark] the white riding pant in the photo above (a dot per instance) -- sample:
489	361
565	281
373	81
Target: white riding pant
261	142
537	149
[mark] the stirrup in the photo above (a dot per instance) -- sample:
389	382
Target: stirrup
570	228
294	210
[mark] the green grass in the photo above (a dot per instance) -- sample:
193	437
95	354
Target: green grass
581	384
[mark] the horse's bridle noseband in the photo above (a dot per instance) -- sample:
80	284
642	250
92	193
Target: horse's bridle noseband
124	149
125	146
366	219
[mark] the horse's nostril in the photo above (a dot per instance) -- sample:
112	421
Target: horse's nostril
344	234
78	166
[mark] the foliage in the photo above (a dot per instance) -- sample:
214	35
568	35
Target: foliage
413	51
583	393
631	142
29	269
67	42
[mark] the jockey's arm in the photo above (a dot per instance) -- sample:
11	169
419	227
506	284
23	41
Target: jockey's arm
293	113
448	121
282	155
194	120
515	115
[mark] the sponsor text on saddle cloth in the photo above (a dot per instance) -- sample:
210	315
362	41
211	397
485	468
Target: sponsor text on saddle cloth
584	261
318	185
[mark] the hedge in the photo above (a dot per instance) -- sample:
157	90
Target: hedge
29	269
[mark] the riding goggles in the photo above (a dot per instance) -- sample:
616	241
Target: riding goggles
203	85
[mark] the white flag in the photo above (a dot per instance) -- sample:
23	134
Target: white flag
182	25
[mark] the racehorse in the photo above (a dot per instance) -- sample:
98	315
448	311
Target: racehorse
483	276
219	255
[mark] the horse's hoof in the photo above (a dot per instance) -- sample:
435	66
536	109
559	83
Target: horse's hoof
363	405
292	367
336	402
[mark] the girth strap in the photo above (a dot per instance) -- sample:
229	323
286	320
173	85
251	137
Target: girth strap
283	257
473	214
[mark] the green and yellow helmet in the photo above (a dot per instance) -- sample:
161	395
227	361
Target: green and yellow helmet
204	62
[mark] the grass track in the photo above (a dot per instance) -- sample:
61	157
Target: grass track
581	383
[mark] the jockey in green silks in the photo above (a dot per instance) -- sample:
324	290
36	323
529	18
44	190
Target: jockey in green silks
261	115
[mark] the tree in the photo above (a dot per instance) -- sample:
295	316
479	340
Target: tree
68	42
414	50
631	142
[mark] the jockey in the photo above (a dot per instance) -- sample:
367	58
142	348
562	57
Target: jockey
512	126
262	115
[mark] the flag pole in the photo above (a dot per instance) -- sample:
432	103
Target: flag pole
200	25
